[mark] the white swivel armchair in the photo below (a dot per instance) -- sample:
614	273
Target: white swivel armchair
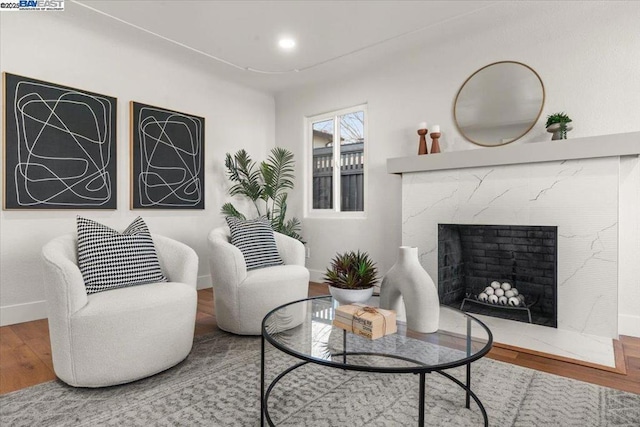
123	334
242	298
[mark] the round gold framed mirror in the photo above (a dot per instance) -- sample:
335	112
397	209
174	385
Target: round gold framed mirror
499	103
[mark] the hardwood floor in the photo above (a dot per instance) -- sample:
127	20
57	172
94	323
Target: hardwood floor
25	353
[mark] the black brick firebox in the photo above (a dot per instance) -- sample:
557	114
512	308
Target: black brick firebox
470	257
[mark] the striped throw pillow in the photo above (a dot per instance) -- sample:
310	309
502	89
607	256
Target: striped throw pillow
255	239
110	260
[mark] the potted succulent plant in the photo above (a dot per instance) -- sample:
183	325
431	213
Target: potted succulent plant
351	277
558	125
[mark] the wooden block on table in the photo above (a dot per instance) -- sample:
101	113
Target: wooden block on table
369	321
358	331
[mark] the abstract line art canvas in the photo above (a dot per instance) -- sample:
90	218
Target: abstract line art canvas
59	146
167	155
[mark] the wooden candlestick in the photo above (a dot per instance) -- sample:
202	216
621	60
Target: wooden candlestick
435	145
422	147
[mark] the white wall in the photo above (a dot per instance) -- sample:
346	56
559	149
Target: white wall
585	52
90	53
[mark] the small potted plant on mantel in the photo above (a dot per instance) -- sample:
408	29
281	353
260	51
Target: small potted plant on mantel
557	124
351	277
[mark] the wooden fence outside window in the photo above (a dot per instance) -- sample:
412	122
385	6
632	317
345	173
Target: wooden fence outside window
351	177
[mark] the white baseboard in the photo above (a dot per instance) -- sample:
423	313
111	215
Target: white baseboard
19	313
316	275
204	282
629	325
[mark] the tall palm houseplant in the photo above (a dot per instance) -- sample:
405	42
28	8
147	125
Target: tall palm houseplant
266	185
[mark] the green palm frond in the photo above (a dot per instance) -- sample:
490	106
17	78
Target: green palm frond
229	210
277	172
242	170
279	210
292	228
267	182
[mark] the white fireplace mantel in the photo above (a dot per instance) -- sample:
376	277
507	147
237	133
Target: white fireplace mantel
587	187
622	144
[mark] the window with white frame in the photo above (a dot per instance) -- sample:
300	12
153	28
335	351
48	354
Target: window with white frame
337	173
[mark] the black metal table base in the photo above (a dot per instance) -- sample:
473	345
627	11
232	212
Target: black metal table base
264	394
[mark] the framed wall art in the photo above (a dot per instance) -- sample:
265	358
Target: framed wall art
59	146
167	158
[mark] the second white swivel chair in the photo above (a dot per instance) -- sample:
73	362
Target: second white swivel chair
242	298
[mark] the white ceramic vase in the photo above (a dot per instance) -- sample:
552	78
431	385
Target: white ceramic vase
408	281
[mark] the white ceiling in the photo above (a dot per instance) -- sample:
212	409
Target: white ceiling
238	39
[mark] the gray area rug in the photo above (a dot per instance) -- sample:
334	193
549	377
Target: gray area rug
218	385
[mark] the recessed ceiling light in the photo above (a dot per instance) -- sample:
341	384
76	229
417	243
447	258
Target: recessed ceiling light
287	43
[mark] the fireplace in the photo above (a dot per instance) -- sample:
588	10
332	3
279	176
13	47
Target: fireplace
519	261
590	193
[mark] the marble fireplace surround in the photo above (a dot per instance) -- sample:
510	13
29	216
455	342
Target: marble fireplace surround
578	185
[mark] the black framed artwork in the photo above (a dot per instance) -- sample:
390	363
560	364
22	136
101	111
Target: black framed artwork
59	146
167	158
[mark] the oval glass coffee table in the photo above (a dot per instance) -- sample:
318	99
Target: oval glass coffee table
303	329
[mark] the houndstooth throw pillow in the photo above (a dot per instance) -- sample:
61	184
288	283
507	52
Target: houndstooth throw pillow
254	238
110	260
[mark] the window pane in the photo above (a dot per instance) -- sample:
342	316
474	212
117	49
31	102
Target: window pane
352	161
323	165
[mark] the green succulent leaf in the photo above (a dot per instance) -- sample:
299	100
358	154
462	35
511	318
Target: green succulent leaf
557	118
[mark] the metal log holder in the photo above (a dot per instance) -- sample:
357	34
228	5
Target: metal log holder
526	307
